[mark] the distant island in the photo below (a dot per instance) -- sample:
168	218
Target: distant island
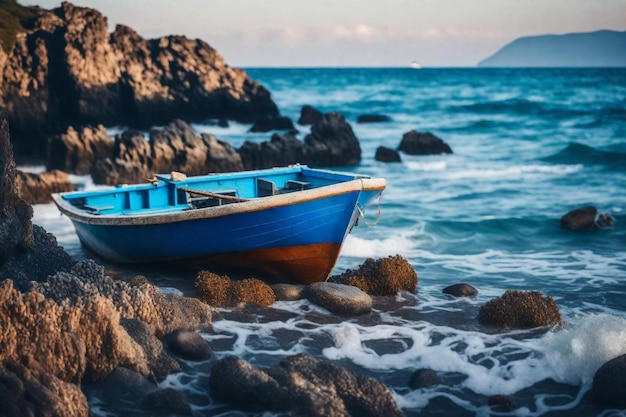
604	48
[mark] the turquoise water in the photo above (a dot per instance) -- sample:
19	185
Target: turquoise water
529	145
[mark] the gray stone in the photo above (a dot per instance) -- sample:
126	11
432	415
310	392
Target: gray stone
338	298
287	292
189	345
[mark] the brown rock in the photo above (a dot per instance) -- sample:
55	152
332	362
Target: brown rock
417	143
38	188
520	309
586	218
385	276
75	152
220	291
460	290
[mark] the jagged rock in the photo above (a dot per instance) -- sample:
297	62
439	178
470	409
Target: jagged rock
160	364
373	118
220	291
331	143
338	298
520	309
423	378
586	218
501	404
385	276
300	385
287	292
30	391
266	124
460	290
167	401
76	151
279	151
384	154
417	143
609	383
174	148
16	230
37	188
69	70
45	258
189	345
309	115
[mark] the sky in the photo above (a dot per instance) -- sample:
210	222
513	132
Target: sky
356	33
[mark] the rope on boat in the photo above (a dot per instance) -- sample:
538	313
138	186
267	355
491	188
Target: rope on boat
213	195
362	214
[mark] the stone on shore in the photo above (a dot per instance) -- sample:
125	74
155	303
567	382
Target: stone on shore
520	310
417	143
609	383
384	154
300	385
288	292
339	299
38	188
219	291
385	276
188	345
586	218
460	290
75	151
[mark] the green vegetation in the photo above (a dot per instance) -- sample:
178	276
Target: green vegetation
12	18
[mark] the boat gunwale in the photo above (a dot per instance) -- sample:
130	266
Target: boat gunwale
252	205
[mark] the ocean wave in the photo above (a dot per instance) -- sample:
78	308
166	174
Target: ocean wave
513	171
578	153
520	107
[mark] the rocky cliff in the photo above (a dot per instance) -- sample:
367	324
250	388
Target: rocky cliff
67	69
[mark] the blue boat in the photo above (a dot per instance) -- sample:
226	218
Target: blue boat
281	223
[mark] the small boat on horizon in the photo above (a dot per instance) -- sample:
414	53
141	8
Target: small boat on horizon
416	65
284	223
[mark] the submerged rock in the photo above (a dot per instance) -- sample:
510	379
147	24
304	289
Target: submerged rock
338	298
417	143
385	276
167	401
586	218
460	290
519	310
384	154
300	385
609	383
373	118
189	345
501	404
219	291
423	378
38	188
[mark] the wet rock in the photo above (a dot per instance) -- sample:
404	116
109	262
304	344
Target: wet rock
460	290
309	115
220	291
586	218
287	292
423	378
373	118
300	385
501	404
384	154
174	148
609	383
75	151
519	310
338	298
37	188
160	364
30	391
331	143
189	345
121	387
278	151
385	276
67	69
266	124
167	401
16	230
417	143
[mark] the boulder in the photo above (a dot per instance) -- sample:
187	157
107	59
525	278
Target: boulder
609	383
460	290
68	70
519	310
331	143
30	391
300	385
417	143
309	115
501	404
189	345
287	292
385	276
219	291
373	118
120	390
384	154
167	401
75	151
279	151
38	188
338	298
423	378
586	218
266	124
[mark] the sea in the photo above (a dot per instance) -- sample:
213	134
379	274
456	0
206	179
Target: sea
529	145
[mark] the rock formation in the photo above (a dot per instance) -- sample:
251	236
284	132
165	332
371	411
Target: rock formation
75	151
417	143
37	188
309	115
68	70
